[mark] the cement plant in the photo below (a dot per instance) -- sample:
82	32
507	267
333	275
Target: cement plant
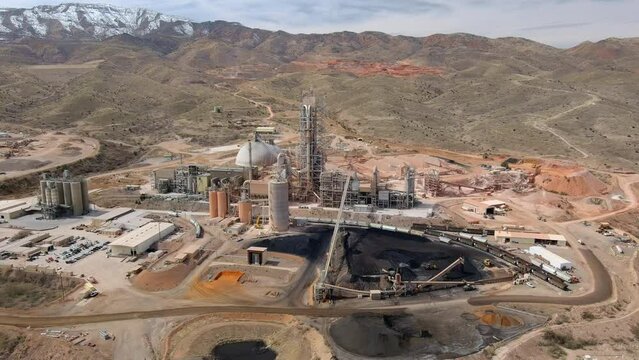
284	226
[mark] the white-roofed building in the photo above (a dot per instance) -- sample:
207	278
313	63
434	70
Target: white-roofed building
529	238
551	258
259	154
141	239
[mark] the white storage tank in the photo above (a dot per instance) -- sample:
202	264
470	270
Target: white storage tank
278	205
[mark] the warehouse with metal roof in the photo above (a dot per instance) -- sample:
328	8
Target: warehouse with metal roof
141	239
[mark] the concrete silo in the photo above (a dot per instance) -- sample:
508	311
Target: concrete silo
76	198
43	192
67	193
278	205
84	185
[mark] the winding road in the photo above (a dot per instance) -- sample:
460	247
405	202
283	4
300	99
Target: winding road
594	99
602	289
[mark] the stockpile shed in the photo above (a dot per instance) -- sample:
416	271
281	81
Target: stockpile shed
141	239
478	207
13	209
529	238
112	214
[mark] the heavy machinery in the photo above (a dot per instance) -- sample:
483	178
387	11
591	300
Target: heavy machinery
488	263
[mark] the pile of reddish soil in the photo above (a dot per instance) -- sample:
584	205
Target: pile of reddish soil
223	282
162	280
362	68
564	179
495	319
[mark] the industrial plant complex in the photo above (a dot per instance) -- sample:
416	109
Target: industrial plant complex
293	222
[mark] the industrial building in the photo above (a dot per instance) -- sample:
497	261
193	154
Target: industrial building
63	196
376	194
141	239
196	180
479	207
549	257
13	209
26	247
529	238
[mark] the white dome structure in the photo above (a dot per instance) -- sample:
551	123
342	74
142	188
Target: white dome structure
262	154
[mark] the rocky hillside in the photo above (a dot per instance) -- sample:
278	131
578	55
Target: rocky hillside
143	77
84	21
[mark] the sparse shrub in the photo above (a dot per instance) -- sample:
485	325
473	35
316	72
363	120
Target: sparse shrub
566	340
634	329
556	352
588	316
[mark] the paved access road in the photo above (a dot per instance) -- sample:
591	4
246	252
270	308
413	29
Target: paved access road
602	289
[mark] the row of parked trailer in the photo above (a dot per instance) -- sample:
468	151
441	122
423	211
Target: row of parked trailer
524	266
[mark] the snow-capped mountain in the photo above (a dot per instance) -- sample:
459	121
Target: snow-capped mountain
87	21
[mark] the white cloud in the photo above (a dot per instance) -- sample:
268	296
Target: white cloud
555	22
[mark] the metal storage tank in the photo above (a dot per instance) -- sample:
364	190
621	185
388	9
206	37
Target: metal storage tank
222	204
85	195
278	205
76	198
213	203
67	193
245	208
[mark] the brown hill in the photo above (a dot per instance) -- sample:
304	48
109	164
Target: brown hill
459	91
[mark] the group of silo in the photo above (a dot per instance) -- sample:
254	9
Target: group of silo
72	194
218	204
277	203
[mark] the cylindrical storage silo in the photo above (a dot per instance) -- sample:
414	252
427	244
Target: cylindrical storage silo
66	186
60	192
76	198
222	204
47	196
43	192
278	205
85	196
245	208
53	193
213	203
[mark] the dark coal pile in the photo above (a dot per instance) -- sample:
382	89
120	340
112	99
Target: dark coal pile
306	245
243	350
368	252
380	336
441	333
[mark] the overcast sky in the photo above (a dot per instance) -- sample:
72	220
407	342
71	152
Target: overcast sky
560	23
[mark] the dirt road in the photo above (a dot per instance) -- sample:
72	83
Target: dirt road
543	123
602	289
44	321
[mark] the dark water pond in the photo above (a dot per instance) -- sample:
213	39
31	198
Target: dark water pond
244	350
